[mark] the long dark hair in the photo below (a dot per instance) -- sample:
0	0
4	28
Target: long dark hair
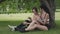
45	9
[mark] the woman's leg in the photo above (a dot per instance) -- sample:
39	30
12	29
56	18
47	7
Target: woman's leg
41	27
31	28
34	25
38	26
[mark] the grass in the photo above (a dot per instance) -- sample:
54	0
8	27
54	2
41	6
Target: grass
16	19
5	30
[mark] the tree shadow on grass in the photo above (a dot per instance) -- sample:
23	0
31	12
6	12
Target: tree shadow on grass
4	24
57	26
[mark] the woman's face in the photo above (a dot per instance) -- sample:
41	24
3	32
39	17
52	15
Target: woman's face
42	10
34	11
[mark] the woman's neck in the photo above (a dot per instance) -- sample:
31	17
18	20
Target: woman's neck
36	14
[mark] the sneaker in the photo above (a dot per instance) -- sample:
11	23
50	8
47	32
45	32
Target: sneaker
12	28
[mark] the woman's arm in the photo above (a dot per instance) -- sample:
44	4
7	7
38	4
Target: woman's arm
46	18
41	22
26	23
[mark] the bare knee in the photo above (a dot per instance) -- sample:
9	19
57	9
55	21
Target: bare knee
31	28
41	27
46	29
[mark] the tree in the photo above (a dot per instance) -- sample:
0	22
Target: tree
50	4
52	11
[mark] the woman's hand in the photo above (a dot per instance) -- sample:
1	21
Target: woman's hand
25	23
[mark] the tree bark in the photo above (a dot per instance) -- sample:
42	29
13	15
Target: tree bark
52	12
50	4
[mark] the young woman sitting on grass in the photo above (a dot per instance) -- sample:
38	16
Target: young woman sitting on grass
40	22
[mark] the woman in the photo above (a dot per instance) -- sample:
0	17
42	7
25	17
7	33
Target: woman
37	21
22	26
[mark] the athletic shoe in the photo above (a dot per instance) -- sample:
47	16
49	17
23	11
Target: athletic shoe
12	27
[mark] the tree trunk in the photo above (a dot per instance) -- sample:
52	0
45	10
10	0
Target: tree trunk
52	12
50	4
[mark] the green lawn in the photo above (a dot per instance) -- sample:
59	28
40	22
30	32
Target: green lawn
16	19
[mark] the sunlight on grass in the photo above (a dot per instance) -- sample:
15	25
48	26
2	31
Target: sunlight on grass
21	16
57	16
13	17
